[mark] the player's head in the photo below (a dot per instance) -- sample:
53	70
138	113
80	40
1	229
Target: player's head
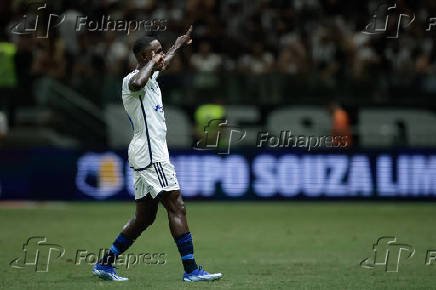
144	48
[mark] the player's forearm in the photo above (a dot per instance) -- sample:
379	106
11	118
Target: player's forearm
169	56
180	41
141	78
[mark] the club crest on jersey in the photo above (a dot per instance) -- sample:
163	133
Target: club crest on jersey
158	108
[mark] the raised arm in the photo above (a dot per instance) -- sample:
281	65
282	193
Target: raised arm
180	41
140	79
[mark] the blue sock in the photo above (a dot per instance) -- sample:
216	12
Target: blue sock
186	250
120	245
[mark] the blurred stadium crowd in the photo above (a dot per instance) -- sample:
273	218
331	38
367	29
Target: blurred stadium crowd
266	53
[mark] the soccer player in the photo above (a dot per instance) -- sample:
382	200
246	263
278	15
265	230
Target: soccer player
154	176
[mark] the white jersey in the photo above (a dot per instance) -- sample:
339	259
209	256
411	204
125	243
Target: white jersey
145	110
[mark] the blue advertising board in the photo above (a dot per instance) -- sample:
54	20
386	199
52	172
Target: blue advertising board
56	174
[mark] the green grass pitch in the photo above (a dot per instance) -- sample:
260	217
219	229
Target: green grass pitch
255	245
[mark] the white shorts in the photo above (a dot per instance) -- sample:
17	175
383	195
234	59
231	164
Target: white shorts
158	177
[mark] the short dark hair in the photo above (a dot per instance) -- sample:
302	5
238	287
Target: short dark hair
141	43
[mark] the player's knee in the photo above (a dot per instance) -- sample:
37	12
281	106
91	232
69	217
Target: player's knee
180	208
177	206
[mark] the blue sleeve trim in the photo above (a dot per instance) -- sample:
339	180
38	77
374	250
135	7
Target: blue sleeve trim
121	238
183	238
114	250
188	257
131	122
